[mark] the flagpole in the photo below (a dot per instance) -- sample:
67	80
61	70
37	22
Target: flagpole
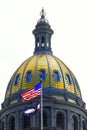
41	107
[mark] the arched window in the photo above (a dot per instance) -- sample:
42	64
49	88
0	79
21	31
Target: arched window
60	120
43	42
37	42
42	74
74	123
43	45
83	125
12	123
68	78
2	125
17	78
47	44
26	123
42	39
28	76
45	119
56	76
48	40
39	121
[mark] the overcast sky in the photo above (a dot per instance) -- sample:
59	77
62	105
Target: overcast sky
68	19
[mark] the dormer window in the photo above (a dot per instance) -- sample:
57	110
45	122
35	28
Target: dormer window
56	76
28	76
68	78
42	74
17	78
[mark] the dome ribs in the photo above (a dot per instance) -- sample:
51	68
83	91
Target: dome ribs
50	81
35	70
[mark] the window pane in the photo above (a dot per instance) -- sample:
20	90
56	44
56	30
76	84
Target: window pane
44	119
28	76
83	125
16	79
47	44
42	39
60	120
74	123
12	123
68	78
37	42
2	125
37	39
45	122
26	122
43	44
42	75
56	76
77	85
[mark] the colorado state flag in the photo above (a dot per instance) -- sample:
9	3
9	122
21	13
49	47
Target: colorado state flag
32	110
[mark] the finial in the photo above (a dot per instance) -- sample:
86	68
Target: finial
42	13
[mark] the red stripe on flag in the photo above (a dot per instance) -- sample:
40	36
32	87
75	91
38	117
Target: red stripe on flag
30	94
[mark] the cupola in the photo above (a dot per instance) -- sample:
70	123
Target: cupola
43	33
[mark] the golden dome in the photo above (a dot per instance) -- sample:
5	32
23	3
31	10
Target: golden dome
58	81
57	76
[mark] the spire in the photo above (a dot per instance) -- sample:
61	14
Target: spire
42	34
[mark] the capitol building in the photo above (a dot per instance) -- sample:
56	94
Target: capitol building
63	106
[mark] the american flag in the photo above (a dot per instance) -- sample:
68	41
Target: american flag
32	93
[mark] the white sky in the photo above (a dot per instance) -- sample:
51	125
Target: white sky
68	19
